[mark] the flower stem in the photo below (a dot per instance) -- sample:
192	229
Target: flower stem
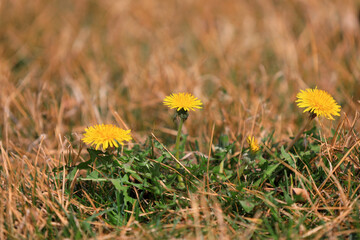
177	143
306	124
177	153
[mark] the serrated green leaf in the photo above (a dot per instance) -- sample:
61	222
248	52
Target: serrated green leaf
287	157
271	169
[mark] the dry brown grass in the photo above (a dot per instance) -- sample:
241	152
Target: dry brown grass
65	65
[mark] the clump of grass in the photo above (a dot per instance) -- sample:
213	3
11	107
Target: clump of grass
123	191
265	193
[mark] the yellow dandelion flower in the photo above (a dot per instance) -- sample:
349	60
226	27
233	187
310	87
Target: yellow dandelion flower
106	135
184	101
254	147
318	102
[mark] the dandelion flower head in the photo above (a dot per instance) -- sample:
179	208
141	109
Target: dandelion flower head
318	102
254	147
106	135
184	101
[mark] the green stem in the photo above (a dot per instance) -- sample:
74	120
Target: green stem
177	152
311	117
177	143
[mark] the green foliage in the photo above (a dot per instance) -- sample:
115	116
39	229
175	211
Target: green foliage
141	183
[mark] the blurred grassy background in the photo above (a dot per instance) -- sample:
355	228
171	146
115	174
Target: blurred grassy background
65	65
